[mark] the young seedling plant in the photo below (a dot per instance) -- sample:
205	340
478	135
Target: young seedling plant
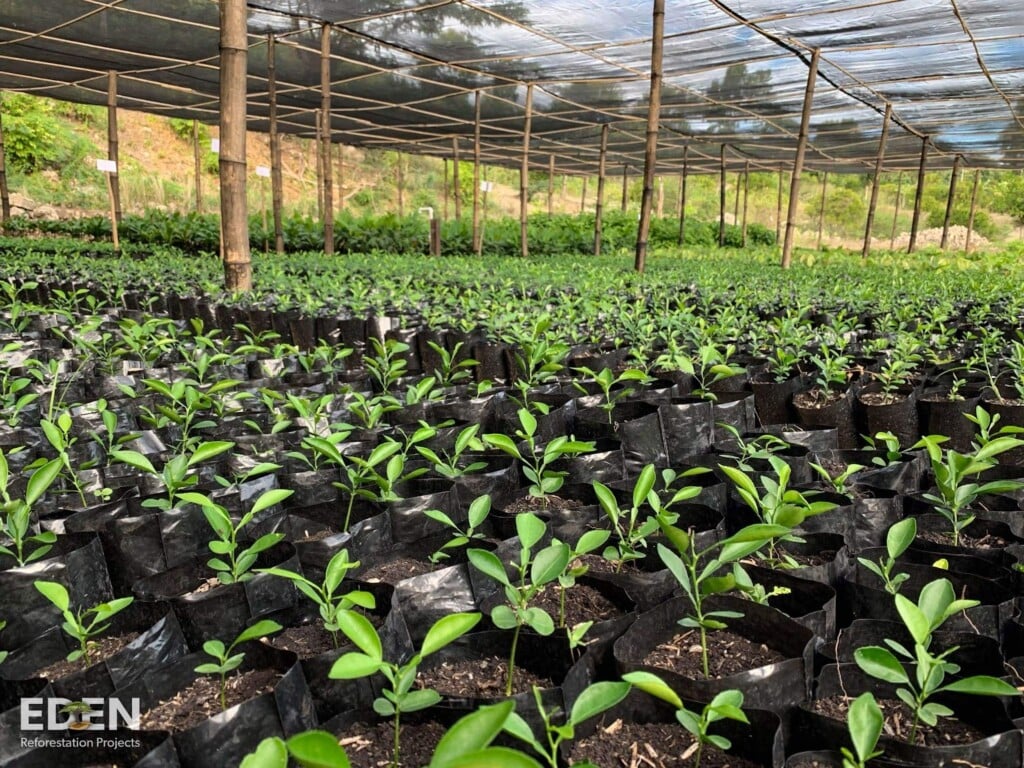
369	660
226	661
898	539
864	721
726	705
533	571
83	625
178	473
612	387
922	674
325	595
18	514
479	509
447	464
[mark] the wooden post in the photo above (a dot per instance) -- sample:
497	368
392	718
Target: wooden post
198	164
483	205
524	177
551	185
400	183
821	208
876	181
583	196
276	180
970	216
798	161
115	182
778	208
746	197
625	186
599	204
736	200
477	240
660	207
445	189
651	145
113	213
325	114
341	177
682	196
5	194
263	210
435	237
234	215
722	181
918	196
950	201
319	155
456	184
896	212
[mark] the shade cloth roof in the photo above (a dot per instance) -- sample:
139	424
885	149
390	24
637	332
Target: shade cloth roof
404	73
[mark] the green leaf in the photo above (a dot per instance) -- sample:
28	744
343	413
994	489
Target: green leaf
317	749
471	733
549	563
271	753
900	537
529	528
606	499
503	443
653	685
41	480
488	564
539	620
917	623
447	629
207	451
360	631
338	566
865	724
982	685
516	726
270	498
644	485
354	665
528	422
597	698
503	617
881	664
257	630
420	699
134	459
55	593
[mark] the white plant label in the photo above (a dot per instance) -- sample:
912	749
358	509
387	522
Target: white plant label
215	145
107	166
262	170
486	186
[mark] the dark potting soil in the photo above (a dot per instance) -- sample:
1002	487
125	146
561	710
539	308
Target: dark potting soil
201	700
988	541
306	640
372	745
881	398
899	719
598	564
318	536
813	398
394	571
541	504
728	654
650	745
822	557
835	468
99	650
582	603
479	678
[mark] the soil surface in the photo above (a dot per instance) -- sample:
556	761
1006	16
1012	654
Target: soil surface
728	654
880	398
201	700
899	720
306	640
538	504
99	650
394	571
651	745
372	745
823	557
479	678
582	603
815	398
988	541
598	564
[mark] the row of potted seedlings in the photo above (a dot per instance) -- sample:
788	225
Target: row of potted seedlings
315	536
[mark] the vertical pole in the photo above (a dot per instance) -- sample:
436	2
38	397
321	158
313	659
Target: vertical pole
276	180
682	196
5	195
319	155
746	197
583	196
455	178
483	205
341	177
798	161
736	200
551	185
524	177
477	241
661	197
778	208
970	216
446	189
198	164
115	183
653	121
896	212
325	113
821	208
625	185
113	214
263	209
876	180
599	204
918	196
400	183
722	181
234	52
950	200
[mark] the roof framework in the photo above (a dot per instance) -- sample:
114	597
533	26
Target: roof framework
403	74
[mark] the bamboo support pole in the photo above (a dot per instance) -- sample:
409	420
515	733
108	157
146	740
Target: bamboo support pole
821	208
778	207
950	202
876	181
896	211
746	200
915	222
325	114
477	239
445	185
722	191
456	183
970	216
599	204
400	182
798	161
583	195
234	51
524	177
112	141
276	178
5	194
551	185
198	166
341	177
318	155
625	186
682	196
651	145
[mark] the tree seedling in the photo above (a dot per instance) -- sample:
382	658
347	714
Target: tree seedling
479	509
898	539
450	370
612	387
227	660
925	677
864	722
839	483
369	660
236	568
324	595
726	705
534	570
18	513
177	474
83	625
361	478
447	464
